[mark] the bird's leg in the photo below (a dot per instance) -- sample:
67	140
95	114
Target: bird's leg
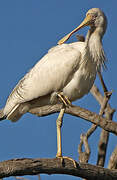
59	122
59	125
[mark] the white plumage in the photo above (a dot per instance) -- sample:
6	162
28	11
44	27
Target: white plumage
68	68
60	70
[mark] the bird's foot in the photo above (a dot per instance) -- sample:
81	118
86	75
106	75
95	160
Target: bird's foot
64	99
69	158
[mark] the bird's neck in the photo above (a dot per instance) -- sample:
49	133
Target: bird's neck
94	42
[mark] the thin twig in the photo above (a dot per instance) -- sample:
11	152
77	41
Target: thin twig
102	82
103	106
83	156
113	160
104	136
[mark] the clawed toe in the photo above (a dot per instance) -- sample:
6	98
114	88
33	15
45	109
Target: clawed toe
69	158
64	99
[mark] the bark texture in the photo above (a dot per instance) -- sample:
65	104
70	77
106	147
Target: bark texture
19	167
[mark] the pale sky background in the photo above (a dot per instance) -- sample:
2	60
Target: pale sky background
28	28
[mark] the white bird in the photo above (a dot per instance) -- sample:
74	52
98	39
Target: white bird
67	71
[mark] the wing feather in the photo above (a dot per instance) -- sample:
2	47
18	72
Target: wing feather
51	73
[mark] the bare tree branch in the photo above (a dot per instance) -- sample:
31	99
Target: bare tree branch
83	156
102	147
113	160
77	111
104	136
103	102
102	82
21	167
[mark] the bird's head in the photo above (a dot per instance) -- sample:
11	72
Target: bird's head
94	18
97	18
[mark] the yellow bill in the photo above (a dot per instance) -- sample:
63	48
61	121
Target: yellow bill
86	22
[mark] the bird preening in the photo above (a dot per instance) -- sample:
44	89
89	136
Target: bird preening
66	73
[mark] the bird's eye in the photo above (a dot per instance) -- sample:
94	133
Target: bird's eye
93	17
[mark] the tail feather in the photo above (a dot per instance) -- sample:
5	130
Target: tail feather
17	112
2	116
